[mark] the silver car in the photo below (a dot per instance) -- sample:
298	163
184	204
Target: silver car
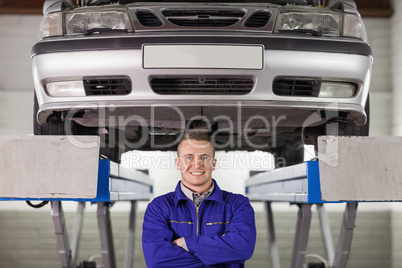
257	75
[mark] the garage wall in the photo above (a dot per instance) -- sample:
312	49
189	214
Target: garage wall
379	37
18	34
397	67
396	50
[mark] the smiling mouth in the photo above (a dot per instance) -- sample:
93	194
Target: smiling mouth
197	173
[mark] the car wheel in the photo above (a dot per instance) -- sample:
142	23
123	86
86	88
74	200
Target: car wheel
110	146
337	128
56	126
350	129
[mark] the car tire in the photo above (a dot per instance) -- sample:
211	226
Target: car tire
110	147
292	152
350	129
56	126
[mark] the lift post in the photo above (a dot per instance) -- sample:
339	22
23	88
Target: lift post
61	234
345	237
131	236
326	233
273	247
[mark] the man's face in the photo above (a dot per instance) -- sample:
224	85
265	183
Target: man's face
195	160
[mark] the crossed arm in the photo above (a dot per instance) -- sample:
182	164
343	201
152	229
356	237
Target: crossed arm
236	245
159	251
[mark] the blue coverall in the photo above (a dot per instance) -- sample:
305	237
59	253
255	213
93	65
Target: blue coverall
219	233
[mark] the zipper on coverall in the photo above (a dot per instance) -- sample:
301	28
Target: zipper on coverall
197	208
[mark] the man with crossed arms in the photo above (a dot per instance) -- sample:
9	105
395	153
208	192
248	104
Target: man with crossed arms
198	225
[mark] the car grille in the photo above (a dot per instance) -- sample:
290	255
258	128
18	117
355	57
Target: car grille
107	86
202	86
148	18
297	87
215	17
203	18
258	20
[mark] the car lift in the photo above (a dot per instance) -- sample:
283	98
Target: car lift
348	170
71	170
68	168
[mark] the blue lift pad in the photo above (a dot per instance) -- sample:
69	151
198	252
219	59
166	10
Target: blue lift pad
295	184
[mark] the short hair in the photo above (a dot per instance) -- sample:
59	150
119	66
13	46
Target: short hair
197	135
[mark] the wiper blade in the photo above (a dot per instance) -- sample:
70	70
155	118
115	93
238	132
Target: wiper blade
103	30
303	31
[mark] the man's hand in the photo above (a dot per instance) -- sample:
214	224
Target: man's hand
179	242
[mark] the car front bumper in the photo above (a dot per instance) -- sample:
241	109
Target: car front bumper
285	57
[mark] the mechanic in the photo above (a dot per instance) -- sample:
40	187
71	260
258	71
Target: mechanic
198	225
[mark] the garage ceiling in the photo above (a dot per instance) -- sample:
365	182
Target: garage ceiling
367	8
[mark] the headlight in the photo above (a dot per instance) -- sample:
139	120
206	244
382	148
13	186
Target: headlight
324	23
77	23
51	25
